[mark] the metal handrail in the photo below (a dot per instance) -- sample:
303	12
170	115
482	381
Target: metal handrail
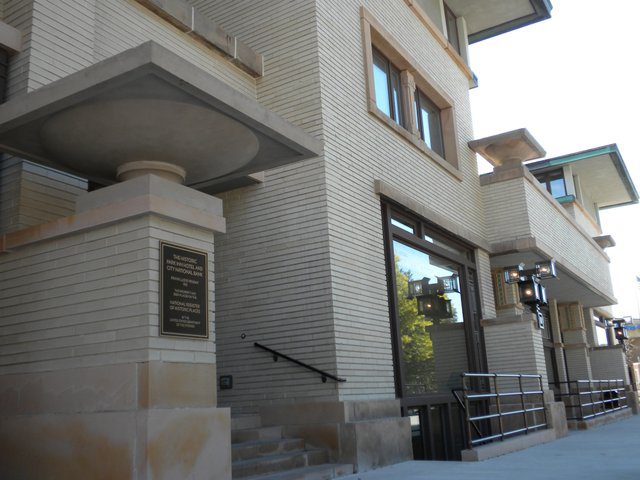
455	391
496	397
597	402
276	354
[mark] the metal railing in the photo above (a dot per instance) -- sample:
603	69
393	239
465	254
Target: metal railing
323	375
507	412
585	399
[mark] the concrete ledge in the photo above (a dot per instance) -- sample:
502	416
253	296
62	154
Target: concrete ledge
193	211
10	38
601	420
514	444
190	20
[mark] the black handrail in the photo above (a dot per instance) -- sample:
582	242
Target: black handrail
502	409
276	354
464	408
599	401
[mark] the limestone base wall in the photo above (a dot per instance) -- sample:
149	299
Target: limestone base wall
367	434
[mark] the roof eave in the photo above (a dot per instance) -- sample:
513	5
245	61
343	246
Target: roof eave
542	11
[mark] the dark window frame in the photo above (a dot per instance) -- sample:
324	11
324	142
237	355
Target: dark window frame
453	35
394	85
475	349
549	176
422	101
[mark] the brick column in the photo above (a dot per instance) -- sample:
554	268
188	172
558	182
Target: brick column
571	318
88	386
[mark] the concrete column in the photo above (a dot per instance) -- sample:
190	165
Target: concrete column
558	345
576	347
88	386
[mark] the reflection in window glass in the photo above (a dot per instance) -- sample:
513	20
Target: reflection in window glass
380	83
395	90
601	336
433	344
429	123
403	225
448	245
557	188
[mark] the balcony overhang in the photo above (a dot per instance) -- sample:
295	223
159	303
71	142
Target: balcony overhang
148	104
603	175
570	286
490	18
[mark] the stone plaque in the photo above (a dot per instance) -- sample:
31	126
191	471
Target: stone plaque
183	292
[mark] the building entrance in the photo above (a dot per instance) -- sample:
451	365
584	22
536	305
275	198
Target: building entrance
435	325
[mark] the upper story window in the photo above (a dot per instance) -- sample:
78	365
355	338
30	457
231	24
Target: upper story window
405	97
386	78
429	122
452	28
553	182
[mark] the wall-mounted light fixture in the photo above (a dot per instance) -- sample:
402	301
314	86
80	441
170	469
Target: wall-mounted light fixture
435	306
418	288
430	297
619	329
532	292
450	284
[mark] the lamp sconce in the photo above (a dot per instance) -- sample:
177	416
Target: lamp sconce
532	292
417	288
435	307
450	284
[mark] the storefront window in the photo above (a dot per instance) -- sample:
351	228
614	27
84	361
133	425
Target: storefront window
435	315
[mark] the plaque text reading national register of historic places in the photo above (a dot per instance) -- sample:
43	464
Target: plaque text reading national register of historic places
183	292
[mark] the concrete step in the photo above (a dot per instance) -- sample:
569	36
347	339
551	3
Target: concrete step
245	421
326	471
261	448
262	433
278	463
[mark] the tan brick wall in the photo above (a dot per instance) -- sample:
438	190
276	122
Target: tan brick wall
609	363
92	299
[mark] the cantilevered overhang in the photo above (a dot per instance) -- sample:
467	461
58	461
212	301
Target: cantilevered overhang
149	104
602	173
489	18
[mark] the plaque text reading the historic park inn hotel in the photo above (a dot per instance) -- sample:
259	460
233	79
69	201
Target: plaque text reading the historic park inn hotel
183	292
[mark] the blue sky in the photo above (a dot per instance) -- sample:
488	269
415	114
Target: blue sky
571	81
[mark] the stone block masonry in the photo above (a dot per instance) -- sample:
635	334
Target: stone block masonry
88	387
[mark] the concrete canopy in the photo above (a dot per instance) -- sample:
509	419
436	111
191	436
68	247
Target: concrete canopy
490	18
602	172
148	104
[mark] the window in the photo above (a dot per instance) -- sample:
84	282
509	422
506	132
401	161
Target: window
407	99
388	93
452	28
435	312
553	182
429	123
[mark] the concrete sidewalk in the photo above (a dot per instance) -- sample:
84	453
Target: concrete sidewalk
609	452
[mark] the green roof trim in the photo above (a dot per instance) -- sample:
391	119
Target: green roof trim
611	150
566	199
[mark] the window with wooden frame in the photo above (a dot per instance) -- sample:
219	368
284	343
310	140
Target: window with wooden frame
405	97
452	28
388	91
553	181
